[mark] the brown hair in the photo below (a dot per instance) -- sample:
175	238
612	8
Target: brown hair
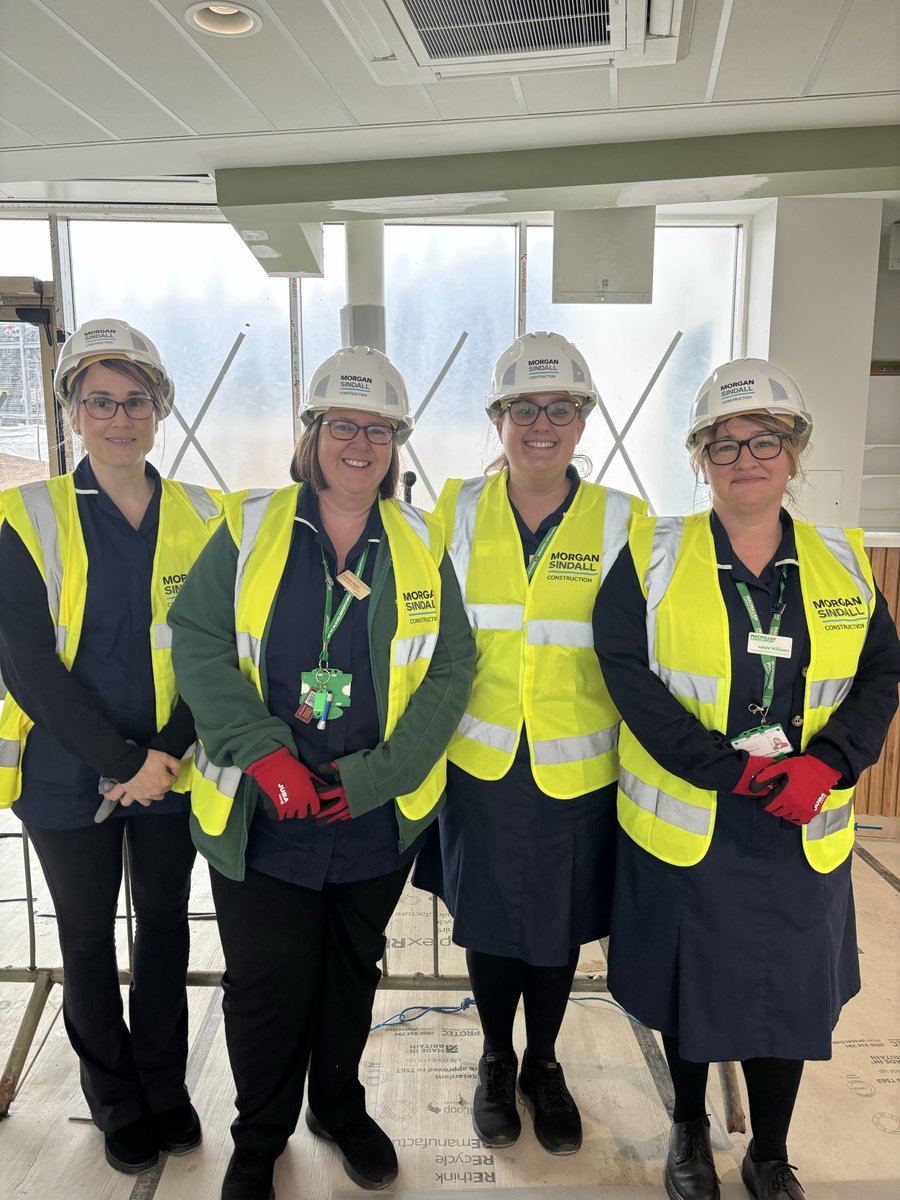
773	424
580	462
122	366
305	463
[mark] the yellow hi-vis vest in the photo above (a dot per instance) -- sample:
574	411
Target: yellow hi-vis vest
688	649
45	516
535	641
261	524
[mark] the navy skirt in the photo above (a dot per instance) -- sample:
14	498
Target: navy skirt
750	953
523	875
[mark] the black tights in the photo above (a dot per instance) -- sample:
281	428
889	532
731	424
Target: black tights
499	983
772	1085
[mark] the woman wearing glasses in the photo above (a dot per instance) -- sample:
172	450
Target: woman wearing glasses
323	647
755	665
89	563
525	863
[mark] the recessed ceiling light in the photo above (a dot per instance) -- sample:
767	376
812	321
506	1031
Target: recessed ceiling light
224	20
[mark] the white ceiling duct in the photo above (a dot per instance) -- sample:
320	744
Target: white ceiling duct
421	41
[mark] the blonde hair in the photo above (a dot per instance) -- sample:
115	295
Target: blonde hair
789	441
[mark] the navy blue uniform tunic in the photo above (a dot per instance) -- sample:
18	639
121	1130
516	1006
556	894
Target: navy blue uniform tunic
750	953
109	690
313	853
524	875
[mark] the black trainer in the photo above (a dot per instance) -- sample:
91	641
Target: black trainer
249	1176
773	1179
690	1168
557	1122
178	1129
495	1117
133	1148
366	1150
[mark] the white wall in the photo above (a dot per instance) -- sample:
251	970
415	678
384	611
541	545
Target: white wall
818	291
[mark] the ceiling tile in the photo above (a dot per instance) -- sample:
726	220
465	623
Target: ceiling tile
48	118
865	56
565	91
460	99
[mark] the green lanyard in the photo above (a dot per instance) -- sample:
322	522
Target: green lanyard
768	660
330	624
539	553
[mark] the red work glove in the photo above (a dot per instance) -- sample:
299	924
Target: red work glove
288	789
798	787
743	786
333	797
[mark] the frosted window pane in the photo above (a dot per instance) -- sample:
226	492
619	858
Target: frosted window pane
321	301
25	249
193	288
693	290
439	281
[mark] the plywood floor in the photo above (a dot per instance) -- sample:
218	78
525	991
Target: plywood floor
420	1076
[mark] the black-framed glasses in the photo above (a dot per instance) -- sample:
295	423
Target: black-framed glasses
346	431
728	450
102	408
558	412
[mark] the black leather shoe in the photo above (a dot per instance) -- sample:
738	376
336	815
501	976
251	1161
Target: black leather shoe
178	1129
770	1180
690	1169
557	1123
366	1150
133	1148
495	1117
249	1176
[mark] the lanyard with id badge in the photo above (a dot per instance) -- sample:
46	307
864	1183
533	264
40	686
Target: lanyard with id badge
765	740
325	691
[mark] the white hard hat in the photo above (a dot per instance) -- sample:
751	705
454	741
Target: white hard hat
362	378
744	386
541	362
111	338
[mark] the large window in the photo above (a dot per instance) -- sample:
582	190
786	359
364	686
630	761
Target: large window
197	291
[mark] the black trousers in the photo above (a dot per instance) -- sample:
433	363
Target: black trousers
123	1072
301	969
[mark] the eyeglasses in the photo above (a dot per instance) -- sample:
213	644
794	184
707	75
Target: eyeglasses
102	408
346	431
558	412
727	451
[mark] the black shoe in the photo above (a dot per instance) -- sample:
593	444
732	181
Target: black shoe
690	1169
494	1115
249	1176
366	1150
770	1180
133	1148
557	1123
178	1129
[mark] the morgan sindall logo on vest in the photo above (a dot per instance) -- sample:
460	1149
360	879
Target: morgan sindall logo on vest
573	566
420	605
841	612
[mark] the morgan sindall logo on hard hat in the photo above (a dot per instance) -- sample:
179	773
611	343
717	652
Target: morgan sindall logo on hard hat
355	385
101	337
543	368
738	391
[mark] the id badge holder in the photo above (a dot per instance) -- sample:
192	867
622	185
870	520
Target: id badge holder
315	689
765	741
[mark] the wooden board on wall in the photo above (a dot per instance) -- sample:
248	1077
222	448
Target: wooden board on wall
878	792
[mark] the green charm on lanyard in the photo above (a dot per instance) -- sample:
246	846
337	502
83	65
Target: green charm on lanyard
325	691
774	641
539	553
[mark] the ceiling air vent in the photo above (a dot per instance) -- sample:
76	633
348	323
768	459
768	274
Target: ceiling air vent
422	41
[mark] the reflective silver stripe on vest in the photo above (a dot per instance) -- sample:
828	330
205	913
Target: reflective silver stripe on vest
495	616
39	507
407	650
556	751
9	752
836	541
417	521
225	779
247	646
496	737
670	809
253	510
461	541
201	501
663	556
560	633
62	636
615	528
702	688
162	637
828	692
832	820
